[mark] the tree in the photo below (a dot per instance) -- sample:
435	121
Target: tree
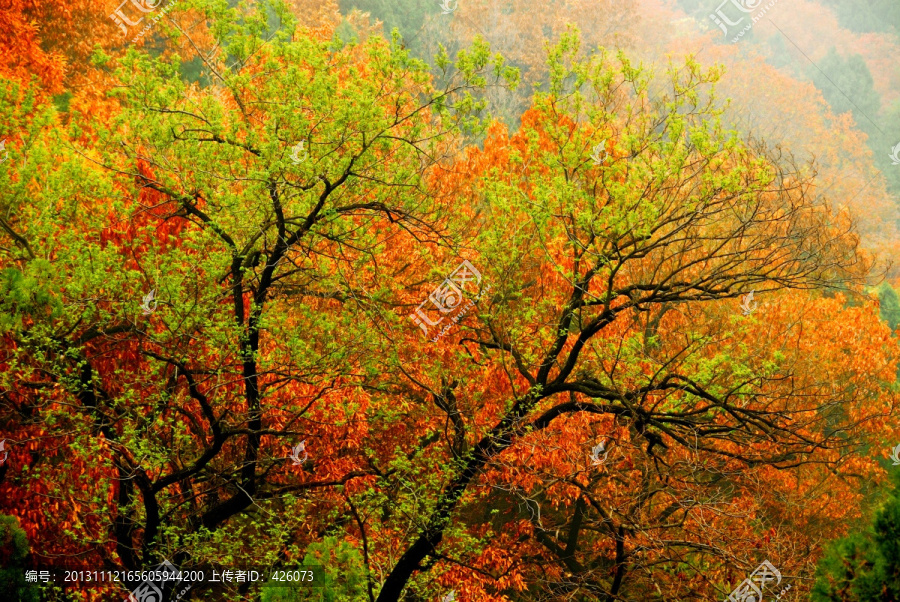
13	551
848	87
864	16
883	144
889	304
340	575
609	323
864	566
215	275
795	119
26	58
520	30
53	42
170	422
407	16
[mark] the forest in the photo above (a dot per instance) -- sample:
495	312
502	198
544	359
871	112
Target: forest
449	300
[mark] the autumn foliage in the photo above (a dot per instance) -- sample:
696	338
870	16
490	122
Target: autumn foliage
669	368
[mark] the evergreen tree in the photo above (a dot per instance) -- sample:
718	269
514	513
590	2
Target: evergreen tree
339	576
13	550
864	566
884	142
407	16
867	15
847	85
890	305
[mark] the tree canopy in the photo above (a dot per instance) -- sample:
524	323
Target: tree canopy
315	304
